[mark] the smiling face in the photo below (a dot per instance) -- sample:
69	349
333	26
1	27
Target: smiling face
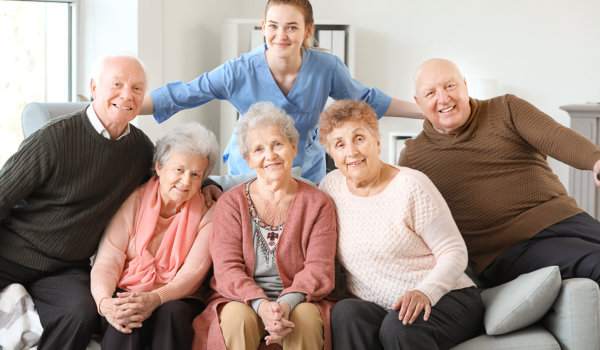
285	30
441	92
355	150
118	91
180	178
270	153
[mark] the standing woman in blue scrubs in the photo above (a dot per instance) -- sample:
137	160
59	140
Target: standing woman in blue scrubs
285	71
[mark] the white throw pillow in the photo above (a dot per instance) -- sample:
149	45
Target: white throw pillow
520	302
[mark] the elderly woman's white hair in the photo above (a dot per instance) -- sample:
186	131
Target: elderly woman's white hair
262	114
192	138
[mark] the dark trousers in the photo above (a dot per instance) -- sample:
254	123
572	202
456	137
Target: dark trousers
63	301
169	327
362	325
573	244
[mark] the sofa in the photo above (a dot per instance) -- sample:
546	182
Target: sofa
537	310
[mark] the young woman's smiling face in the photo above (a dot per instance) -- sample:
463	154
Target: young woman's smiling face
285	30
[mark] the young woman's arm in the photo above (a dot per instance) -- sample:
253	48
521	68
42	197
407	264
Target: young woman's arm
400	108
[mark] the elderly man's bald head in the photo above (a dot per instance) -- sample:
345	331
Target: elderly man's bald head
436	65
441	92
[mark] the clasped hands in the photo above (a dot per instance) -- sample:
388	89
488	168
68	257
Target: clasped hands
129	309
410	305
276	318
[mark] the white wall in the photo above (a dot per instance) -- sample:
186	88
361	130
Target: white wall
546	52
176	39
103	26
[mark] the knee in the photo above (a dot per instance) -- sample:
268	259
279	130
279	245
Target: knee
346	310
588	267
308	328
239	326
393	331
175	310
82	315
306	317
237	315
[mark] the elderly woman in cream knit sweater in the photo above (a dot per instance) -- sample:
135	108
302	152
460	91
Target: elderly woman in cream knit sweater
402	253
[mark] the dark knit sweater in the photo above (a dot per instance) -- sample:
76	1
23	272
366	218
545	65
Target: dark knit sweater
72	180
494	174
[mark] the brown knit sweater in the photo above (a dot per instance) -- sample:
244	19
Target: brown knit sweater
494	174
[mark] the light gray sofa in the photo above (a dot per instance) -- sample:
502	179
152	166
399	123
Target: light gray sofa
535	311
540	311
36	114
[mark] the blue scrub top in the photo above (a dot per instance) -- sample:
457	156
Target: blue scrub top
246	80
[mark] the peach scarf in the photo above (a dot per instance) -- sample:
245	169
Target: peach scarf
145	270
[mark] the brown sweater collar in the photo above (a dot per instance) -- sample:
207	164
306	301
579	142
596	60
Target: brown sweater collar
466	133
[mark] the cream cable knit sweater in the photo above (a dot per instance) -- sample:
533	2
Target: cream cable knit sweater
401	239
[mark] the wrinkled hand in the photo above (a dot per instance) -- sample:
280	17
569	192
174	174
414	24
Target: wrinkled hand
125	322
136	306
211	194
275	317
596	171
411	304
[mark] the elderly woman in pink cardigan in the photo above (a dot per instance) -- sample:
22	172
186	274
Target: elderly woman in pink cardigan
154	253
273	248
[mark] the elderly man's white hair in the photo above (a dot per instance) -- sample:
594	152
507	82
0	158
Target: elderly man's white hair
100	64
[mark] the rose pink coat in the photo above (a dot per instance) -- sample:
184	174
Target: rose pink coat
305	258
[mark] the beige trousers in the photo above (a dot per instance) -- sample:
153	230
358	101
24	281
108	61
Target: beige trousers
243	330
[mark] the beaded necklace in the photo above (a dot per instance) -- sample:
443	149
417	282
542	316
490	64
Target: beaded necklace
266	236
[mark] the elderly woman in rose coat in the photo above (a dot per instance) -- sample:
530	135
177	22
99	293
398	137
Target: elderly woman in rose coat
273	247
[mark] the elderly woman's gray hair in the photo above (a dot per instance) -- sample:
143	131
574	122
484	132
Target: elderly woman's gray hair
263	114
191	138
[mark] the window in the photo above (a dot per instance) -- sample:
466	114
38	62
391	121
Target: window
35	65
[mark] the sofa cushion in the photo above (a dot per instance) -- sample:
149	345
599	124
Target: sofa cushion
573	318
531	338
520	302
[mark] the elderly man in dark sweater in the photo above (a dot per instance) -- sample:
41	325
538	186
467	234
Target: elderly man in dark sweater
488	159
69	178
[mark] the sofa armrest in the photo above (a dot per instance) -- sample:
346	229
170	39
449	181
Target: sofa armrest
36	114
574	319
531	338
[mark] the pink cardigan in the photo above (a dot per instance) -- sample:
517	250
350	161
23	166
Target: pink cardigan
117	249
305	258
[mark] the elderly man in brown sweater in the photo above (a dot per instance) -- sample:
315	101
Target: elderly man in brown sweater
488	159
